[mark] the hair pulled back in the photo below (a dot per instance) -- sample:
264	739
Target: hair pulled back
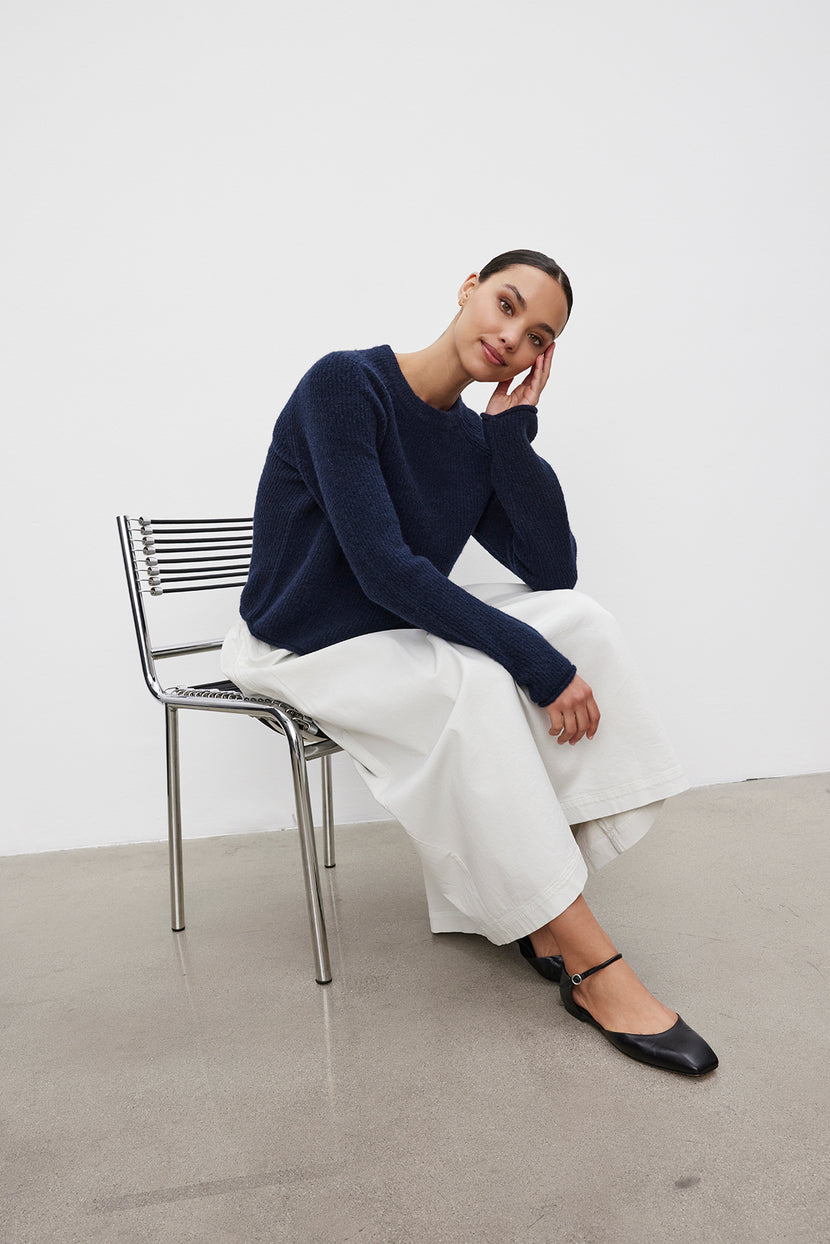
532	259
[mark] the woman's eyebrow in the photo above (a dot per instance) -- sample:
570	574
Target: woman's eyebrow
520	300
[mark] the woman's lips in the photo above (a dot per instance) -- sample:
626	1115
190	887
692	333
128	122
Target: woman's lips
492	356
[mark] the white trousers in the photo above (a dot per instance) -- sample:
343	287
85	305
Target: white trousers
507	823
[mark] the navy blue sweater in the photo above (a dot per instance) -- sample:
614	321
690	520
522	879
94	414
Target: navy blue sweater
368	497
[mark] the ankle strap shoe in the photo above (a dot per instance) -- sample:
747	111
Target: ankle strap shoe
549	966
679	1048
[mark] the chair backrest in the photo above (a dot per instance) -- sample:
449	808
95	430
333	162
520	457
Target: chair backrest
163	556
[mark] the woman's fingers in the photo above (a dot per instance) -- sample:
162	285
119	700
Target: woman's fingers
537	378
541	372
524	393
574	714
532	383
593	717
576	727
547	360
570	727
499	399
528	391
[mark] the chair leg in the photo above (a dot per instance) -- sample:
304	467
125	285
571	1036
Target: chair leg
328	812
174	818
305	824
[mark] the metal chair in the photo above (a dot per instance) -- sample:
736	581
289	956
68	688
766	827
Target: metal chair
167	556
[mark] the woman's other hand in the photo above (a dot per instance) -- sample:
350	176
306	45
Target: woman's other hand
528	391
574	713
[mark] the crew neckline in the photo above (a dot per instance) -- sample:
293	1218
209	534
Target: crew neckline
458	408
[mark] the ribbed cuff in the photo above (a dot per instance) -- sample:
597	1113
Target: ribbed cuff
518	418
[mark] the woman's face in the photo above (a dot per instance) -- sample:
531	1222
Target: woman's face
506	321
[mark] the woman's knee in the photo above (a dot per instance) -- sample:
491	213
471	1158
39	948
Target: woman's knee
577	614
592	613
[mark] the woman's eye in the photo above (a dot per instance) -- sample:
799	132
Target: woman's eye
505	306
536	341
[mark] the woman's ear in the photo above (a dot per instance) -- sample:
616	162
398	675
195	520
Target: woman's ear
467	288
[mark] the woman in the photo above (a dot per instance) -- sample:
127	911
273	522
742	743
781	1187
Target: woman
445	697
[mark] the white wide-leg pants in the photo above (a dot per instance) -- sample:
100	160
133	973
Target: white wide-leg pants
507	823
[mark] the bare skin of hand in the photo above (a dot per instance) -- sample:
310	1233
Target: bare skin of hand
528	391
573	714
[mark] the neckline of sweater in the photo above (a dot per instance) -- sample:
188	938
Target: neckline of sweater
403	389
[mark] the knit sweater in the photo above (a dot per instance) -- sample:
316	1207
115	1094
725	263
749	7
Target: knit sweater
366	500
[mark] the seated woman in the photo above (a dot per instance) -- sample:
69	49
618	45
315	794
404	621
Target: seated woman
472	714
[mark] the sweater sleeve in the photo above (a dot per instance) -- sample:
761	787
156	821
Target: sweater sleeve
525	524
337	429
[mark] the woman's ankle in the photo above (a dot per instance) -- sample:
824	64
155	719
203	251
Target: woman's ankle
582	941
544	943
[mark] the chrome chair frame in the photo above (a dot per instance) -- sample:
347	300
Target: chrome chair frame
165	556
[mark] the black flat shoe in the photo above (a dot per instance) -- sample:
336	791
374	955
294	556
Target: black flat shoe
679	1048
549	966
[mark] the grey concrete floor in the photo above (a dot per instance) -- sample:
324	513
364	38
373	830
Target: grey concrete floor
201	1087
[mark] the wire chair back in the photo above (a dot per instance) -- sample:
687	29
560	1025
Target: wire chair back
169	556
192	554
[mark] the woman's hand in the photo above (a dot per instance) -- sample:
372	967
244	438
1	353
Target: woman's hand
528	391
574	713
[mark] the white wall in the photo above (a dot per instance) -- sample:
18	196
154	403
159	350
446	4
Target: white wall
202	198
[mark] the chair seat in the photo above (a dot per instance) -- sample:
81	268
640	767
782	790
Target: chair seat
227	690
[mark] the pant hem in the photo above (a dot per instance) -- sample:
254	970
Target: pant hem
592	807
546	906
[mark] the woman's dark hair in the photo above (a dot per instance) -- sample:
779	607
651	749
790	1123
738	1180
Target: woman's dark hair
533	259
